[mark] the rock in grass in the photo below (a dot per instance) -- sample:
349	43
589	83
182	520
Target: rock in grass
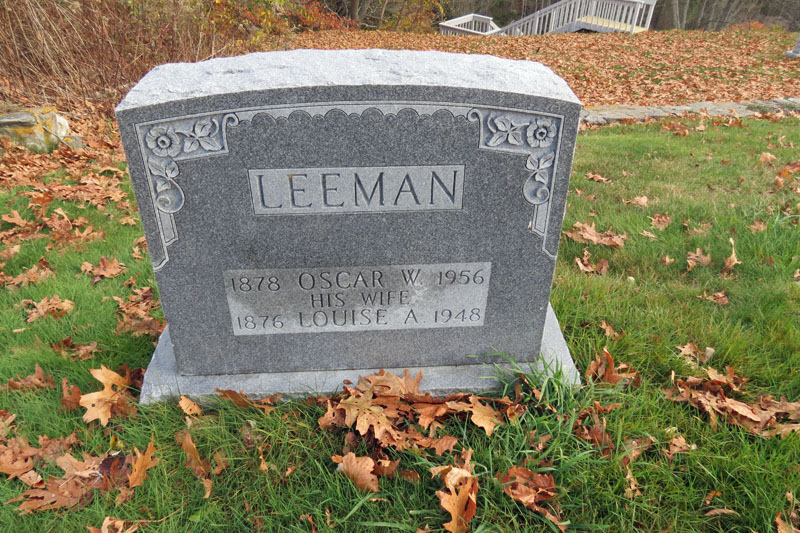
39	130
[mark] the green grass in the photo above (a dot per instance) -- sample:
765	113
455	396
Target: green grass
656	306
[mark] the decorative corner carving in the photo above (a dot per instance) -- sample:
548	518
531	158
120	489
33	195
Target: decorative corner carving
166	143
534	135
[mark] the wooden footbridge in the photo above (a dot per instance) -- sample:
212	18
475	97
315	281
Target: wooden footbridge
627	16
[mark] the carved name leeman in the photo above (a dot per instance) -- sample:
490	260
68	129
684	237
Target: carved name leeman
356	189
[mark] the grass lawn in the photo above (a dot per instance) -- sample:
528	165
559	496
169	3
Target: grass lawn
715	179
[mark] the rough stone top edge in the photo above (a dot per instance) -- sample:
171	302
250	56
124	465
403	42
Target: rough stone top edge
175	82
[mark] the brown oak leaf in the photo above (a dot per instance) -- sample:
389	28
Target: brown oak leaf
141	464
53	306
359	470
113	399
659	221
460	495
189	407
602	369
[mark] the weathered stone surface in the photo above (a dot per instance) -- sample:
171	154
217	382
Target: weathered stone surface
795	52
163	380
39	130
318	214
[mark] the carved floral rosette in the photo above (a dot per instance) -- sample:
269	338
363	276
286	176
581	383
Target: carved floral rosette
165	144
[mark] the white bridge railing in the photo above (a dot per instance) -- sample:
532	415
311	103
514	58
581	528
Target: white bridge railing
629	16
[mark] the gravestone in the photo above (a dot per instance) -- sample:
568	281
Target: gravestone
313	216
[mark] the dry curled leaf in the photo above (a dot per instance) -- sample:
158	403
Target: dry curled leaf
597	177
530	488
189	407
587	267
719	298
696	258
602	369
641	201
731	261
459	497
610	332
53	306
587	233
37	380
113	525
359	470
757	226
141	464
721	511
659	221
113	399
105	269
200	466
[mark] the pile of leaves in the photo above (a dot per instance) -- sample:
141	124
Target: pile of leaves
711	394
389	412
113	471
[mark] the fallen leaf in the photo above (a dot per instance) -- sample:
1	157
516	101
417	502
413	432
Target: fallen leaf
610	332
731	261
482	415
359	470
189	407
586	233
597	177
696	258
718	512
37	380
641	201
70	396
660	222
719	298
530	489
648	235
766	158
141	464
201	467
74	351
105	269
221	461
113	399
586	266
53	306
702	229
459	498
601	369
113	525
410	475
757	226
666	260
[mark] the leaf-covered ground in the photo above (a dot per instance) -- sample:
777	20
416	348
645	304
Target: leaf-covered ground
677	287
650	68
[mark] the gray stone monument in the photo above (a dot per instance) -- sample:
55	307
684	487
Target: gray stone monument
313	216
796	51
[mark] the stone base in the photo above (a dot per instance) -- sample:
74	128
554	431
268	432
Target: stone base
162	381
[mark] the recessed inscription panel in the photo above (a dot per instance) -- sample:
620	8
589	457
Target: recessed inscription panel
299	191
360	298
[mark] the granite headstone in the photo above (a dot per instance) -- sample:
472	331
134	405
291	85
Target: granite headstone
312	216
